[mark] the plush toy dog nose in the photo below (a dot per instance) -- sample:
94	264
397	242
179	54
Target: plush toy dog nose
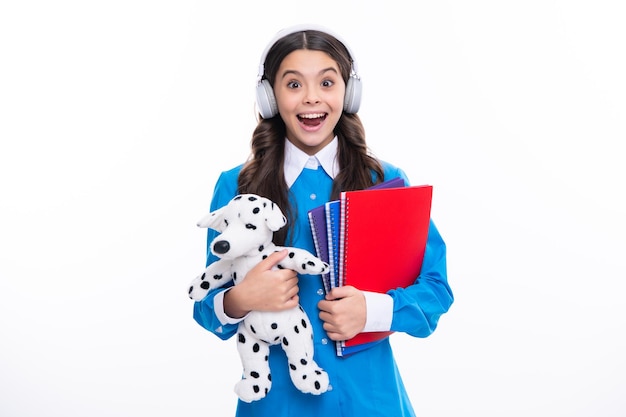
221	246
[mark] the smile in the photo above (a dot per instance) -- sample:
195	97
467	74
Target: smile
312	119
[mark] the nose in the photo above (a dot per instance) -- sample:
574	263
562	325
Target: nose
312	96
221	247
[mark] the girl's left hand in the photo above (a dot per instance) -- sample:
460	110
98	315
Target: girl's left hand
343	312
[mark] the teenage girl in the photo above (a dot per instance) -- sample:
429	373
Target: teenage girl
308	146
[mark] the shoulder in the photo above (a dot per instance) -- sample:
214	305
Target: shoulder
225	187
391	171
231	174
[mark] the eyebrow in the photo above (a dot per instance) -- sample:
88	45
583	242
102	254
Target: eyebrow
298	73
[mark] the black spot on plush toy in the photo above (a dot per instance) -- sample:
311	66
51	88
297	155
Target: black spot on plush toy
246	225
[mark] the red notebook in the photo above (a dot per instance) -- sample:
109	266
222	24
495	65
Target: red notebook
382	243
324	222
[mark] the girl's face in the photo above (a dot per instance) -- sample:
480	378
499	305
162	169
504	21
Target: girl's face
309	94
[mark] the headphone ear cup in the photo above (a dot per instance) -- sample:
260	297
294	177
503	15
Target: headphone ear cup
352	100
265	100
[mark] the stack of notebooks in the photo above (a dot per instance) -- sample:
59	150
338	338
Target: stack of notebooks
374	240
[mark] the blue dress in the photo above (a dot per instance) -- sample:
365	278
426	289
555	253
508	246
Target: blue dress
367	383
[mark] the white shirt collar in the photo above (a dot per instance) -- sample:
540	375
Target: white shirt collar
296	160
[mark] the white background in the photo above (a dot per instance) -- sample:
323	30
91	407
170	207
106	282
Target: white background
116	118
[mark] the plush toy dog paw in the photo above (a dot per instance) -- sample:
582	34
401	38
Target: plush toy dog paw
246	225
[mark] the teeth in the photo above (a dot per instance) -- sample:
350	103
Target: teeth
312	115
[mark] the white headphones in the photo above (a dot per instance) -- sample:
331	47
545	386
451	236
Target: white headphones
265	99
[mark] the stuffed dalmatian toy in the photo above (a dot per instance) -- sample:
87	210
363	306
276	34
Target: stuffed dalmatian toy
246	225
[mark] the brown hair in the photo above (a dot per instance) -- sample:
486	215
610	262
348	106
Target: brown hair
263	173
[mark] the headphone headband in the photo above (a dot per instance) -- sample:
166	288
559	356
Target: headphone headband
300	28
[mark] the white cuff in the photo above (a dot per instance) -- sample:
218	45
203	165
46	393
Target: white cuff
379	312
218	307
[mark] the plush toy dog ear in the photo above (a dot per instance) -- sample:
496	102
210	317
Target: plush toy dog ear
214	220
275	218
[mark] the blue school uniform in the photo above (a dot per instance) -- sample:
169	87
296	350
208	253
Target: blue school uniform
367	383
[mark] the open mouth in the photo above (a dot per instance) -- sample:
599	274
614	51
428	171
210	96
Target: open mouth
312	119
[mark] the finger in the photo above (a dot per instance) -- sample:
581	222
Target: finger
324	306
329	328
292	302
287	274
333	333
273	259
292	290
338	293
324	316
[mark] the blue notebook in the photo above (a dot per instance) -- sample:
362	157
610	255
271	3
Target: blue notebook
317	221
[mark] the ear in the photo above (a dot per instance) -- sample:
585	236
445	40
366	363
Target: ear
214	220
274	217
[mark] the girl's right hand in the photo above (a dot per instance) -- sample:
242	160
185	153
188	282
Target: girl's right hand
264	289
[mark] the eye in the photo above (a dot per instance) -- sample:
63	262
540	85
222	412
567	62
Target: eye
328	83
293	84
